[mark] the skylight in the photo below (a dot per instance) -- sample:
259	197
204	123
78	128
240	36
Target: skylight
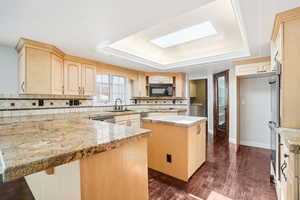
195	32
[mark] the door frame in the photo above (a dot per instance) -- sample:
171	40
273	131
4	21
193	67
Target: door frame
215	118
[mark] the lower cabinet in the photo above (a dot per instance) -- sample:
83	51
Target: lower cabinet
177	151
117	174
289	171
129	120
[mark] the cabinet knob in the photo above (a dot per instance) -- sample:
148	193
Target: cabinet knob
286	155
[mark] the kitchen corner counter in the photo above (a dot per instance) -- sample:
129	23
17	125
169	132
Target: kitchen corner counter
291	137
30	147
185	121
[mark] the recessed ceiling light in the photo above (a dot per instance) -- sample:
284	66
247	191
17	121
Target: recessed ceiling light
195	32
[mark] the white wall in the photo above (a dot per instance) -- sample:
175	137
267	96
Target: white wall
255	112
8	70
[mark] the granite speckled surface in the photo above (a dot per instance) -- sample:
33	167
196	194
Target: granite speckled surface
36	118
291	137
180	120
35	146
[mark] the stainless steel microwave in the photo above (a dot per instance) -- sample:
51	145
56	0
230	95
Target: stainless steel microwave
161	90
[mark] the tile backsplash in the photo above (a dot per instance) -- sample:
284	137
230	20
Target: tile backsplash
24	105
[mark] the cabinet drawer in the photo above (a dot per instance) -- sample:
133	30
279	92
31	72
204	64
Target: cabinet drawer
126	117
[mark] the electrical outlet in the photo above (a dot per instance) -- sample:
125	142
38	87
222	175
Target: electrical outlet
41	102
169	158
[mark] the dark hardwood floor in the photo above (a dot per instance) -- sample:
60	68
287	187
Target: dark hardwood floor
241	176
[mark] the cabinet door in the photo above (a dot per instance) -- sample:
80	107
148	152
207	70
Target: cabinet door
196	147
160	79
136	123
179	85
57	65
88	79
72	78
37	72
243	70
22	70
193	91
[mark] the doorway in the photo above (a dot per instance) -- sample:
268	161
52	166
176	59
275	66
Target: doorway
198	98
221	105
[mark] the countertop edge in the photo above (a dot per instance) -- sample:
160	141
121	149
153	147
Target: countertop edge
173	123
13	173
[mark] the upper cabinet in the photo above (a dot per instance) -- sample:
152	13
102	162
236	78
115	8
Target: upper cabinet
145	79
72	78
43	69
34	71
253	67
88	79
160	79
57	75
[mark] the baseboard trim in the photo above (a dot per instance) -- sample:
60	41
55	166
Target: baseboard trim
254	144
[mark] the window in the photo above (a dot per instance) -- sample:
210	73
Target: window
111	87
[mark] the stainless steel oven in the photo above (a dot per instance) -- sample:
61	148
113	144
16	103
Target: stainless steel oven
161	90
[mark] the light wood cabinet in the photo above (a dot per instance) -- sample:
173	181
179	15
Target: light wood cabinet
290	98
253	69
43	70
177	151
118	174
160	79
57	75
129	120
193	89
88	79
79	79
72	78
179	84
34	71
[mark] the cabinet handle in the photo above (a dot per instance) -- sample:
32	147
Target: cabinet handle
282	167
83	90
22	86
79	90
63	89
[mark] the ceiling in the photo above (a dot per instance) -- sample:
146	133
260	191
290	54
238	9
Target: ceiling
226	40
79	27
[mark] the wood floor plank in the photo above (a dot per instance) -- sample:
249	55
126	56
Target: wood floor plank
238	176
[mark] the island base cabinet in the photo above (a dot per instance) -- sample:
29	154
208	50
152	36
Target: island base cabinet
117	174
177	151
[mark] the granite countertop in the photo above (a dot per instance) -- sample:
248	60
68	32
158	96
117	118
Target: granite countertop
291	137
30	147
47	117
180	120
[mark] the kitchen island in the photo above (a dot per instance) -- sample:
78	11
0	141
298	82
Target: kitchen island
177	145
76	158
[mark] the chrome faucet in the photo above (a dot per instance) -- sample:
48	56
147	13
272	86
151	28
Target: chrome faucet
120	107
